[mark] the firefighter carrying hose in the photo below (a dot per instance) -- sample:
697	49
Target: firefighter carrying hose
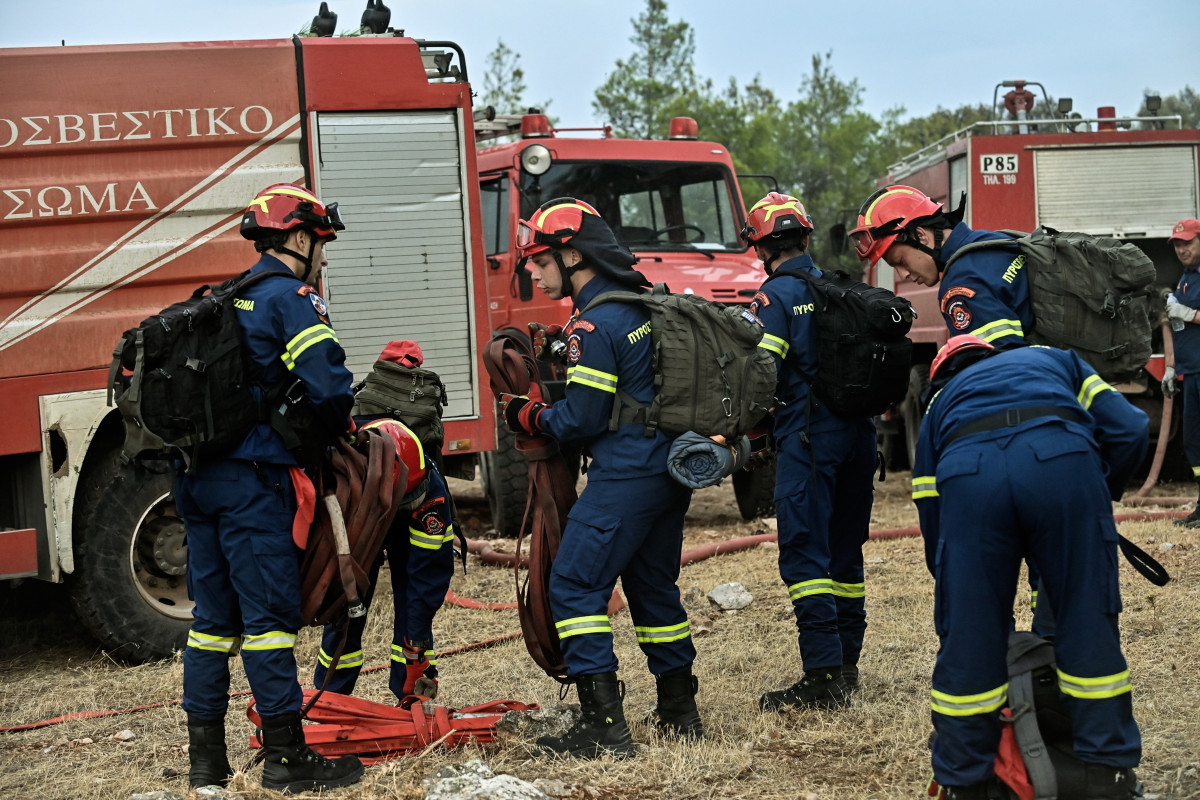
628	523
824	481
1000	475
243	566
420	554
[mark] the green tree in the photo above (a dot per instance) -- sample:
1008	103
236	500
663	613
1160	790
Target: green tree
1186	104
918	132
504	81
635	95
745	119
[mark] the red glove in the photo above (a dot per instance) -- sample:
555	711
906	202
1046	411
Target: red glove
521	412
547	341
762	447
420	677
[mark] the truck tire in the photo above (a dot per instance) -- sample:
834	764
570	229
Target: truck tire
914	411
755	491
130	583
504	477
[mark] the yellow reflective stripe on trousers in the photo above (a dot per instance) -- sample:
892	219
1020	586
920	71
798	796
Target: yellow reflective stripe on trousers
775	345
1091	387
424	540
669	633
304	340
924	486
1099	688
592	377
999	329
968	705
1196	472
347	661
271	640
805	588
580	625
398	655
852	590
217	644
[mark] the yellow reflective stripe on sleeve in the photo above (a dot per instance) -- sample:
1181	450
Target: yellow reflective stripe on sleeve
449	536
271	640
1091	387
423	540
999	329
580	625
592	377
1033	600
1196	472
1099	688
304	340
347	661
669	633
806	588
852	590
924	486
217	644
969	705
775	345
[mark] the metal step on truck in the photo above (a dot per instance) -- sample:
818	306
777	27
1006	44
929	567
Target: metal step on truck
124	171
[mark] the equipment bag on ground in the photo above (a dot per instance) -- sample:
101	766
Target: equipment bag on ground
863	350
710	375
1089	294
183	380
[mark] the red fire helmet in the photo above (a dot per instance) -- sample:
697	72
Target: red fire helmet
284	206
955	345
408	450
775	214
552	225
887	214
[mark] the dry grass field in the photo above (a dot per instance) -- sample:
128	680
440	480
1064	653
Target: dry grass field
876	748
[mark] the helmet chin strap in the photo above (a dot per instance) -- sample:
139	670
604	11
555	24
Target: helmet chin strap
306	261
934	252
565	272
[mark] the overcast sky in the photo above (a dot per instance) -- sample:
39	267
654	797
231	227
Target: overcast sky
919	55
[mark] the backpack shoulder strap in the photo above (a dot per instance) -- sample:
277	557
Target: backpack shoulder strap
1026	653
988	244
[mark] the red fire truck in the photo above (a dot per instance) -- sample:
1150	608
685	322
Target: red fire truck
123	174
1128	178
674	202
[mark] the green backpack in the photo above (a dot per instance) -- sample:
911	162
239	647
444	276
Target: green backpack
412	395
1089	294
710	375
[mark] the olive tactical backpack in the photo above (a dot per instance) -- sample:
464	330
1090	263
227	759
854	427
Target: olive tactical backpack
863	350
412	395
710	375
1088	293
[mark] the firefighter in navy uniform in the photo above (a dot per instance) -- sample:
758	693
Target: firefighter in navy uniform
420	555
984	293
243	565
825	471
1182	308
628	523
1001	476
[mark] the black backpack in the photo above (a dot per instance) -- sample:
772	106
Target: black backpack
863	350
412	395
182	379
710	375
1089	294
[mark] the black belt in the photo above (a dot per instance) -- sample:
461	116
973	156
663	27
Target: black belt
1011	418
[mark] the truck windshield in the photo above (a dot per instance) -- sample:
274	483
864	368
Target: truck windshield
650	205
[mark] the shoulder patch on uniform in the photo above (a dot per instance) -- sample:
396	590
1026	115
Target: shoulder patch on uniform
955	291
579	325
574	349
759	302
431	523
431	504
318	304
959	314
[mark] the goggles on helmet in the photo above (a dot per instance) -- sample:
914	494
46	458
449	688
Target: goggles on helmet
867	239
552	225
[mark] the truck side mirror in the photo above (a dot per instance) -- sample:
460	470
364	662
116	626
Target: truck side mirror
524	284
838	241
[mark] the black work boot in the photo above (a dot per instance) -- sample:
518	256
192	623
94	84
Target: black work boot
676	713
993	789
601	728
1112	783
819	688
206	752
1192	520
292	767
850	676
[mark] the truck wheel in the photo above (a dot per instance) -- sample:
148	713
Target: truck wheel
755	491
914	412
130	582
505	481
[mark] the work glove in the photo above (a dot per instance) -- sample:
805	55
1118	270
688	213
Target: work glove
416	669
1170	383
547	341
521	411
1178	311
761	448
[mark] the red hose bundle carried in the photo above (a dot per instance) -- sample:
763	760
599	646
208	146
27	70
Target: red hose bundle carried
344	725
358	487
511	369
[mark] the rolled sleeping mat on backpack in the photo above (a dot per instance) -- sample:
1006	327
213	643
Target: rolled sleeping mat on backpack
698	461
